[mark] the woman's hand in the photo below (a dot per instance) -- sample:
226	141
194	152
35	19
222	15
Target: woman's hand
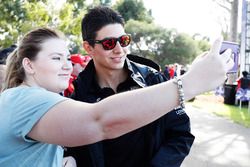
209	69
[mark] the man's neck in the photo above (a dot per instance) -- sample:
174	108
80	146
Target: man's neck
111	78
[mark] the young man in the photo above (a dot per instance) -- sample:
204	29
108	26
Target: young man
165	142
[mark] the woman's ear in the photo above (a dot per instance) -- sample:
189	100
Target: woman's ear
28	66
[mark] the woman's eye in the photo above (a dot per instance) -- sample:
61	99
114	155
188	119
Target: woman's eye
56	58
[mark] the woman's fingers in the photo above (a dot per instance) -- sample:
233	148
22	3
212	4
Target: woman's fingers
216	46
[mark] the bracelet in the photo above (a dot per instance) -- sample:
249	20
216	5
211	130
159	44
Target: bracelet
178	81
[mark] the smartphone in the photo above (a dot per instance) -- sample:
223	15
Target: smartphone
235	47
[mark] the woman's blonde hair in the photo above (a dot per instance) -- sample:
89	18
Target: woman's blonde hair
29	47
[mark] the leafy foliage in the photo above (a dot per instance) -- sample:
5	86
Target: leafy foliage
133	9
165	46
27	15
12	14
162	45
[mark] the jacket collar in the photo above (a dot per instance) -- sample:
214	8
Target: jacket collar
133	63
134	73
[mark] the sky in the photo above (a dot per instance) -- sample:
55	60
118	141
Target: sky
189	16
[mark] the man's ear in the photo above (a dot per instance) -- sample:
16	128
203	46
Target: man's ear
87	47
28	66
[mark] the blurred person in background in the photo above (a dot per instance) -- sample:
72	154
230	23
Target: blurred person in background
244	81
3	56
79	62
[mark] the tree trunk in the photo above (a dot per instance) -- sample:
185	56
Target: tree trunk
234	21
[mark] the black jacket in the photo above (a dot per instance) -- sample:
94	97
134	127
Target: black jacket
163	143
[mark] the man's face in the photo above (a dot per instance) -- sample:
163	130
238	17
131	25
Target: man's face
109	59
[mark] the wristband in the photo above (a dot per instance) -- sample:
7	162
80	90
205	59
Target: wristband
178	82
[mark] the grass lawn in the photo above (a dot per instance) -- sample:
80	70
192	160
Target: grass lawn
212	103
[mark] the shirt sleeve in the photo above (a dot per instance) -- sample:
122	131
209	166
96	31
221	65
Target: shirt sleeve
30	105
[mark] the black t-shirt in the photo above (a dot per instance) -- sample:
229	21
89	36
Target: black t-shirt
130	149
245	83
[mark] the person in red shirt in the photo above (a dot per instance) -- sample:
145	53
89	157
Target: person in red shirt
171	71
79	62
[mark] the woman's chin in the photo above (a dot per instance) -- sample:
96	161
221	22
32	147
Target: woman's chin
59	90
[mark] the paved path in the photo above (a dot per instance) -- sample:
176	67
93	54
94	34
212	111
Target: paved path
218	143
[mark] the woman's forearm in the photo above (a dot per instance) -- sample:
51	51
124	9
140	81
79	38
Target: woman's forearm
127	111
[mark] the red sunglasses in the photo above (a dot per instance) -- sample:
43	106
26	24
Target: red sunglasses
110	43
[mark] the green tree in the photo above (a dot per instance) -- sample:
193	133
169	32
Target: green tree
38	16
133	9
183	50
12	15
78	5
157	43
162	45
149	40
229	20
106	2
25	15
70	25
29	14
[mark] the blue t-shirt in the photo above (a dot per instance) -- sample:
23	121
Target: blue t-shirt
20	110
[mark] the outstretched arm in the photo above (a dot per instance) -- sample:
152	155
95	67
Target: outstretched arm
72	123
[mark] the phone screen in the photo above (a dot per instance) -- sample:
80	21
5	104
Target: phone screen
235	47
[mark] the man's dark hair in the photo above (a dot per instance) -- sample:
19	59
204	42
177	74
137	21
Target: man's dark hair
97	18
244	73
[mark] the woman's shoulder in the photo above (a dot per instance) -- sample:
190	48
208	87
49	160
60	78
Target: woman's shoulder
20	90
24	93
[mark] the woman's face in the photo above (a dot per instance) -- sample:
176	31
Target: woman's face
52	66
